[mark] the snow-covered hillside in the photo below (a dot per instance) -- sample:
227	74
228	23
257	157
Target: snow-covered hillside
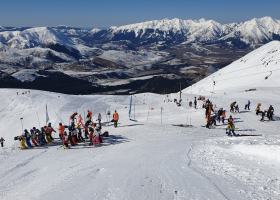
259	69
147	159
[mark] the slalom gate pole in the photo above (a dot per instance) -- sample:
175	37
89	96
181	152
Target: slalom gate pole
134	109
38	119
21	121
161	115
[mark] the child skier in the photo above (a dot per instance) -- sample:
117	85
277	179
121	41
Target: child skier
27	138
48	130
230	127
65	140
34	137
41	136
91	134
22	142
61	129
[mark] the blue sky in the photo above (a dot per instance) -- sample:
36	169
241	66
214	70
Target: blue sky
104	13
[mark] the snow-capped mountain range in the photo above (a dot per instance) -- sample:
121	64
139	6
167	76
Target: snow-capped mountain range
167	46
252	32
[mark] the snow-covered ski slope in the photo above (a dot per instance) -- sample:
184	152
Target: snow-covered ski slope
149	158
258	69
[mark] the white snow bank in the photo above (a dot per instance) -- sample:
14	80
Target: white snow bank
260	152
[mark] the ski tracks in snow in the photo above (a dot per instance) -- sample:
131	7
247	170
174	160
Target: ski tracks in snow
204	175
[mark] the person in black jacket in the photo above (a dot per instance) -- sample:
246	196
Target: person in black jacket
2	141
270	112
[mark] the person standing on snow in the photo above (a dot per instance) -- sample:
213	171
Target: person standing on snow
115	118
258	109
223	116
61	129
80	125
34	136
41	136
208	110
230	127
89	117
22	142
236	108
247	106
99	118
195	103
270	112
232	106
48	130
91	134
72	120
263	115
2	141
65	140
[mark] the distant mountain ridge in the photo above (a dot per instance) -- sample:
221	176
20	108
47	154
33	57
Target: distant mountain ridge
255	31
165	51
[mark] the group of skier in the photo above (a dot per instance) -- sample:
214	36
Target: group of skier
36	137
77	131
213	116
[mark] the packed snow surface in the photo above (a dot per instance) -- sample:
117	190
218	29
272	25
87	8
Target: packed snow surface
153	157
